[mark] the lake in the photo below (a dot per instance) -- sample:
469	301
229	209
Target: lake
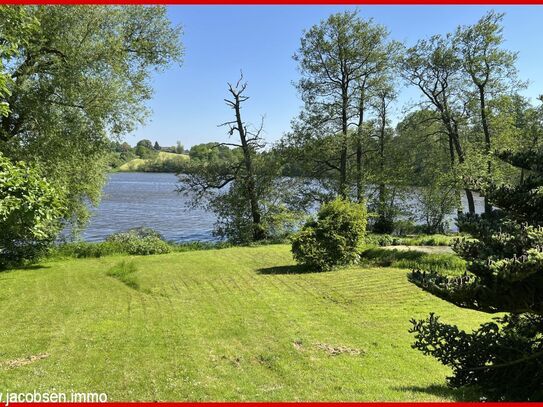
134	199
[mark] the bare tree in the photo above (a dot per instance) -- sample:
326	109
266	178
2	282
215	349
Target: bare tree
250	141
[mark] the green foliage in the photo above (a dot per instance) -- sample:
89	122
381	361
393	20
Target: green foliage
81	250
145	153
413	240
333	239
503	357
446	263
31	210
213	152
505	264
381	239
145	246
137	241
74	91
16	26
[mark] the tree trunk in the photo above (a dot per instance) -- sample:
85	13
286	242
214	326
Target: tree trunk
258	230
359	186
382	186
471	201
343	155
461	159
486	131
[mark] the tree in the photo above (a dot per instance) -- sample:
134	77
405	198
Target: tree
145	143
249	142
434	68
490	69
68	93
156	146
335	59
384	94
240	185
31	210
505	264
179	149
425	160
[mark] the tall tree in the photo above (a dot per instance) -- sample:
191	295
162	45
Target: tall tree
383	95
80	77
376	56
434	68
491	69
333	58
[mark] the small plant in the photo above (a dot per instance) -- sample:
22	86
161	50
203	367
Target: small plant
333	239
124	272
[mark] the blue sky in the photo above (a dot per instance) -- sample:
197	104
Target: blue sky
260	40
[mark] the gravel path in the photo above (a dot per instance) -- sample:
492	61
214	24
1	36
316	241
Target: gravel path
425	249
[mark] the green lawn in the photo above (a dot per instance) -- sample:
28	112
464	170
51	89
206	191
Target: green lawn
230	324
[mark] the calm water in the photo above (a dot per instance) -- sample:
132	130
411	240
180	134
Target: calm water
149	199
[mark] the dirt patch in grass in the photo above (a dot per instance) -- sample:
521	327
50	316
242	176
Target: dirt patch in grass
338	350
23	361
332	350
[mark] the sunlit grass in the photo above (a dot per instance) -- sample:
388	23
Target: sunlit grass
229	324
139	164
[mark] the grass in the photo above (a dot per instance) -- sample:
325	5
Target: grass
445	263
228	324
124	272
414	240
162	160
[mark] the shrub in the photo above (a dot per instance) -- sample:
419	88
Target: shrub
139	241
333	239
31	210
381	240
146	246
502	357
139	233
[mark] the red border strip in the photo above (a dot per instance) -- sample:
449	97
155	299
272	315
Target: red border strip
287	404
278	2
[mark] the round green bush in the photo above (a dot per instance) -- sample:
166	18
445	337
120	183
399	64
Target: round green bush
146	246
333	239
139	241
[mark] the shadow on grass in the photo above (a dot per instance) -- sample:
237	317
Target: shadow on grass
444	391
290	269
18	268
